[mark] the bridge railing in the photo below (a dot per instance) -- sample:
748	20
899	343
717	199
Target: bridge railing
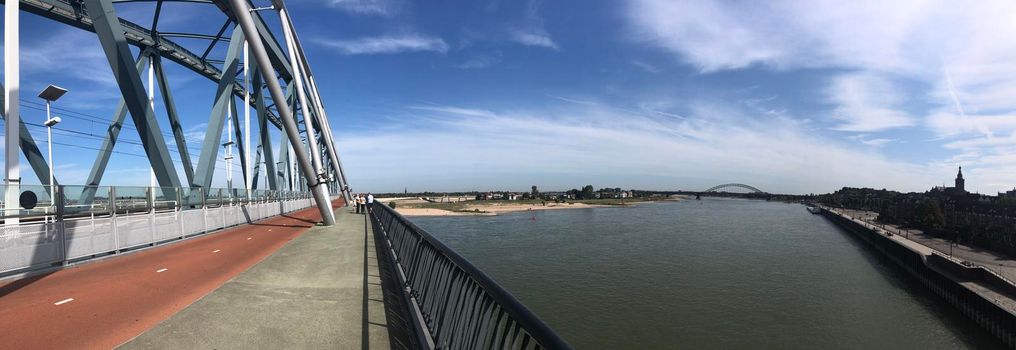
85	222
456	305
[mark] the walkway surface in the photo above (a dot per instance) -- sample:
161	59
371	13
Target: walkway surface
100	305
322	290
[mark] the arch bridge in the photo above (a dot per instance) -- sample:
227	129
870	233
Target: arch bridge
717	188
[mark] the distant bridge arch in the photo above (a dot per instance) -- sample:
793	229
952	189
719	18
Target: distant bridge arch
734	185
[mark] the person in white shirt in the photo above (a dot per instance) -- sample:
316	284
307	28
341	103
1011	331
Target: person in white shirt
370	201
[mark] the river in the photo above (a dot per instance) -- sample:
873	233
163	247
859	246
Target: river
715	273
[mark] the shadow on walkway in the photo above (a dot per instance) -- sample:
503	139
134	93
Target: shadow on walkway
21	283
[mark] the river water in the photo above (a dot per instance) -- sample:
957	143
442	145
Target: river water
715	273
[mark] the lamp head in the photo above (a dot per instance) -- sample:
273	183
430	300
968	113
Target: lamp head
53	121
52	93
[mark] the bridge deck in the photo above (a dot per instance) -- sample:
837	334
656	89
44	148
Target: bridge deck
101	304
321	290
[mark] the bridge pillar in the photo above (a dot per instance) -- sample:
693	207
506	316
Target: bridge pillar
12	88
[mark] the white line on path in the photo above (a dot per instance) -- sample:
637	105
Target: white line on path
64	301
160	270
216	251
250	238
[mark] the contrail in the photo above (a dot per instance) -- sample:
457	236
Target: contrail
959	107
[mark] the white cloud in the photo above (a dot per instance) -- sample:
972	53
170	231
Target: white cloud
386	44
479	61
716	35
946	123
467	112
74	52
646	66
532	31
867	103
456	148
533	37
876	142
953	60
367	7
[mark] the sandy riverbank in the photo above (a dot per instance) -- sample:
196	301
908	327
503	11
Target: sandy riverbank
493	209
472	208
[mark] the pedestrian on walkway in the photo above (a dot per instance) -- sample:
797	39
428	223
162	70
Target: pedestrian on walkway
370	201
356	203
362	204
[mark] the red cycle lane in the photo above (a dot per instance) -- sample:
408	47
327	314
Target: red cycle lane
103	304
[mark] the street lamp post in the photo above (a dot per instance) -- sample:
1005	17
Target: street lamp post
51	93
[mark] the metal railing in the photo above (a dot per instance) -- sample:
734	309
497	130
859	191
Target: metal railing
455	305
92	221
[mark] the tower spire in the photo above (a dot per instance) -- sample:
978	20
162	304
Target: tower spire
959	180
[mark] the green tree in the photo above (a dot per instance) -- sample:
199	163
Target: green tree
929	214
587	192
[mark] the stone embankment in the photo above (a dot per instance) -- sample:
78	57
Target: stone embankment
988	298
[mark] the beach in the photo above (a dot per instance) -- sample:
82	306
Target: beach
421	207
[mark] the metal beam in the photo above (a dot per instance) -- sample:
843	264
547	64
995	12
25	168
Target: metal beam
218	36
301	94
106	150
174	119
72	14
323	116
239	140
191	36
265	139
285	174
257	169
223	95
193	1
155	17
114	44
273	49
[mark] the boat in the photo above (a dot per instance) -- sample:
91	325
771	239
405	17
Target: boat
815	210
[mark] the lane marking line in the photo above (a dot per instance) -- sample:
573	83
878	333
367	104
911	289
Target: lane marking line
250	238
64	301
161	270
216	251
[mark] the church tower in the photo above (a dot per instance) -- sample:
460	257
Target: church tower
960	181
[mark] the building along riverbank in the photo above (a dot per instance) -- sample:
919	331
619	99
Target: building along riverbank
984	296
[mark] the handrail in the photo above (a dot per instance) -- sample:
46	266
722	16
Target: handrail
462	306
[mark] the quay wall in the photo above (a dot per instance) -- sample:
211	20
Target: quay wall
995	319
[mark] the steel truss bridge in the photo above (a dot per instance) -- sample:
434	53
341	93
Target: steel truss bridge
270	72
271	76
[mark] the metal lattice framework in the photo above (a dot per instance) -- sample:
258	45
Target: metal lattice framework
277	83
734	185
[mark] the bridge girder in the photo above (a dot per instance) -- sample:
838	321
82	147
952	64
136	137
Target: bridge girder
71	14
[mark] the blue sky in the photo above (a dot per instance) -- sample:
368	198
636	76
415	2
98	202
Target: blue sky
477	95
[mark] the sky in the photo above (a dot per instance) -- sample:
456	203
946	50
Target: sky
787	96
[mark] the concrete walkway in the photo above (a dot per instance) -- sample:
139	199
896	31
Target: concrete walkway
321	290
996	262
